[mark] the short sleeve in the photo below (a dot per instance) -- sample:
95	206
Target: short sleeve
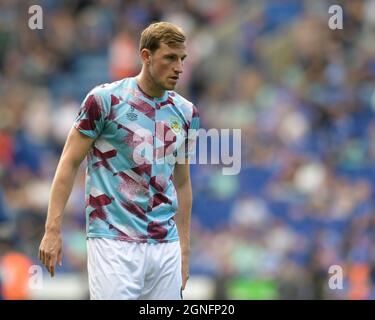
91	116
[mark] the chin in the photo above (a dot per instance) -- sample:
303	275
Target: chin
169	87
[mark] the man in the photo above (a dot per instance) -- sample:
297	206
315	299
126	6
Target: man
132	132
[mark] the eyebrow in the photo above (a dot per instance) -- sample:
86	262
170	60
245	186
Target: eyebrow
175	55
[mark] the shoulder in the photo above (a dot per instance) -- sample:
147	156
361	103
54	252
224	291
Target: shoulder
186	107
105	90
107	93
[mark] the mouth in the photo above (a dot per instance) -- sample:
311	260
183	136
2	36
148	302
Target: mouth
174	78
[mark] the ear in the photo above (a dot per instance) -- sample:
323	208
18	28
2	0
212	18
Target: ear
145	55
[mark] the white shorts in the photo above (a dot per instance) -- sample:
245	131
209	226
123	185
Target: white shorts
121	270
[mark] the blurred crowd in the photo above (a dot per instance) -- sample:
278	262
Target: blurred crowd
302	94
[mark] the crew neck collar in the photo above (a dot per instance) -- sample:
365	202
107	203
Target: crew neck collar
163	98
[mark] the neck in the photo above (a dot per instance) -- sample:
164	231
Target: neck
147	85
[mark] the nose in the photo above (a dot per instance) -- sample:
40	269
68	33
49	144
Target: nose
178	66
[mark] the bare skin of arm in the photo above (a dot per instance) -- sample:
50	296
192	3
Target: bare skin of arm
181	181
75	150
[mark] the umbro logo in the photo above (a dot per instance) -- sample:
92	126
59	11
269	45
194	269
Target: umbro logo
132	116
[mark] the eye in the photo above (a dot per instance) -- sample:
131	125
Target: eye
171	57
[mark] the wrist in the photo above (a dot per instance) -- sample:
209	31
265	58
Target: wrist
52	229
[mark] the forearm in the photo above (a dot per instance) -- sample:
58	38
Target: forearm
183	215
61	188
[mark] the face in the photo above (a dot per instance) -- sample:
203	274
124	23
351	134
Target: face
165	66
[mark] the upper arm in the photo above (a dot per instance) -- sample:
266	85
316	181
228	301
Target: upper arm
76	147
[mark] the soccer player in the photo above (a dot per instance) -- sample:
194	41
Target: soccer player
137	134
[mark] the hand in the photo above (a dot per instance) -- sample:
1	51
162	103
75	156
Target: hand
50	251
185	270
